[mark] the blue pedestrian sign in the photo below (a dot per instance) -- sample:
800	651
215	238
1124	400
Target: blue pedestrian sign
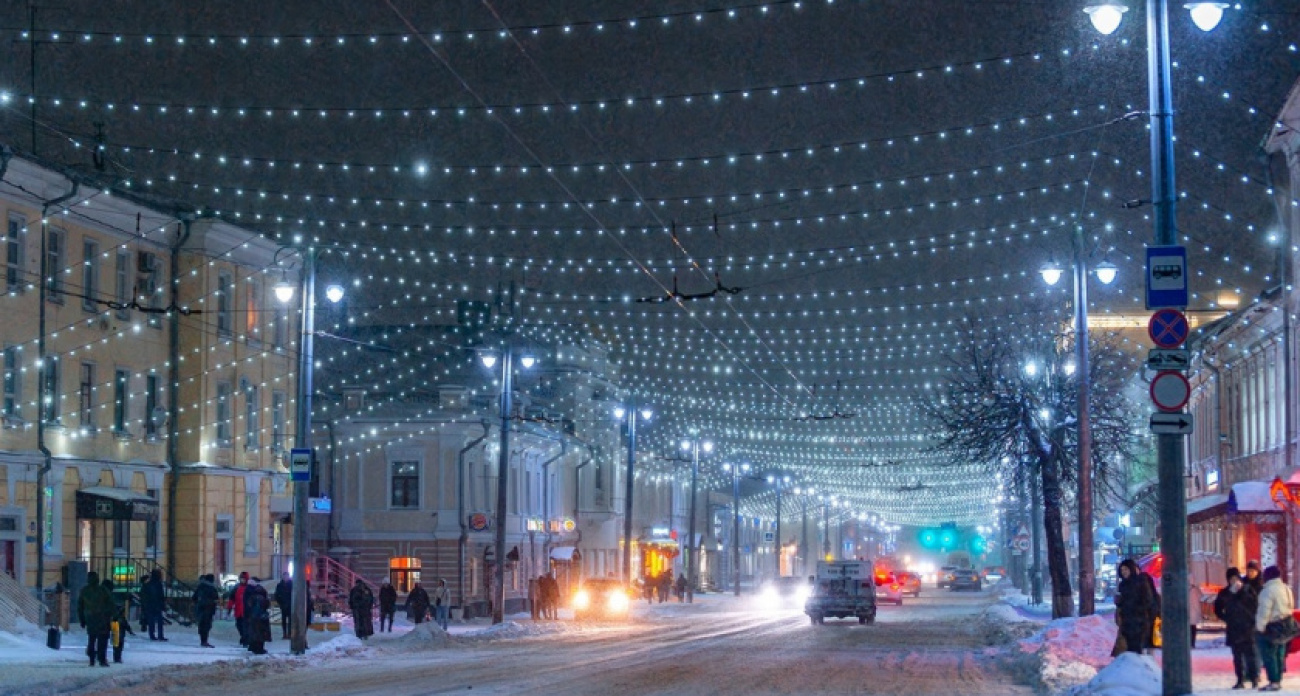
1166	277
1168	328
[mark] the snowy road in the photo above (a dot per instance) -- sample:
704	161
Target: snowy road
934	645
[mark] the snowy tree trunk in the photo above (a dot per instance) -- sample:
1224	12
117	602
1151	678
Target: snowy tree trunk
1057	565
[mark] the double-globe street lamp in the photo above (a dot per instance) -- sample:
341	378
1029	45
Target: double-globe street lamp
489	358
1106	272
284	292
693	445
1176	669
629	414
736	470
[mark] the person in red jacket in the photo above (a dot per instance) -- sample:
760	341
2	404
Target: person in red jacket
235	602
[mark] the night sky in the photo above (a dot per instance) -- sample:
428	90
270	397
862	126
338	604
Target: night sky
879	171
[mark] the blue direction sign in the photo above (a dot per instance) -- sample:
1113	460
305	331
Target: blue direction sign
1168	328
1166	277
300	464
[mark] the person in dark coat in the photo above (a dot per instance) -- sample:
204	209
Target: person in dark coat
284	598
95	613
257	616
417	604
550	597
679	588
205	607
1254	576
1134	605
119	625
387	605
362	603
1235	605
152	604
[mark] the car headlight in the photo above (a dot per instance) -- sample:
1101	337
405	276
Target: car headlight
618	602
802	594
581	600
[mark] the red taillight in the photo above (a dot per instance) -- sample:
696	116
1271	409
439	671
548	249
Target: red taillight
894	587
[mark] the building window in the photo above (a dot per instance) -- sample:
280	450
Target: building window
122	283
406	485
222	560
121	538
90	275
151	410
225	292
51	396
146	286
54	265
280	331
403	572
15	235
252	410
13	383
121	403
151	527
86	396
251	524
223	414
277	421
253	311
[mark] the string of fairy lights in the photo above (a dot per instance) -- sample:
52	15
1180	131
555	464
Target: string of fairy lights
744	368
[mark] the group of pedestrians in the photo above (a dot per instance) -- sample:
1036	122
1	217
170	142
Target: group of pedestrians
662	585
418	606
546	597
1247	606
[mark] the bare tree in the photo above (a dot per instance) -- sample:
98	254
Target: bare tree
1012	402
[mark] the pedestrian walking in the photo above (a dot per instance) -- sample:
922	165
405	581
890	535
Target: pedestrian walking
362	603
663	585
441	603
1275	603
153	602
679	588
235	604
205	607
387	605
257	616
1134	607
1235	605
417	604
284	599
119	625
95	613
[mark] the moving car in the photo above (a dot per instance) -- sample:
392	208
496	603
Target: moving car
910	583
788	592
888	589
994	573
944	580
601	598
965	579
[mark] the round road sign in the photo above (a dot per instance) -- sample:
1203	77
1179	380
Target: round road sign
1168	328
1170	391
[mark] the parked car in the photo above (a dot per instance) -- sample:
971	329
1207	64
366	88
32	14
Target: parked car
601	598
994	573
910	583
965	579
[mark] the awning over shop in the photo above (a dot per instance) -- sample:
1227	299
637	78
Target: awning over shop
107	503
566	553
1246	499
1206	507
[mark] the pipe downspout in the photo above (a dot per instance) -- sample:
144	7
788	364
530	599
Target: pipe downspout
47	458
463	540
329	529
577	492
173	388
546	498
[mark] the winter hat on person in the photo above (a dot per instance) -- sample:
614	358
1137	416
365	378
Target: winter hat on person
243	575
92	578
1252	565
1233	573
1272	573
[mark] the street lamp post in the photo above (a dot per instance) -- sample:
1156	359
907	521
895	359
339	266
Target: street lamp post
489	359
1106	274
694	446
284	291
735	470
1176	669
804	493
630	413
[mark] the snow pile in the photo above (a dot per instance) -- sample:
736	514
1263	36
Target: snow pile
426	635
1070	651
514	629
344	644
1130	674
